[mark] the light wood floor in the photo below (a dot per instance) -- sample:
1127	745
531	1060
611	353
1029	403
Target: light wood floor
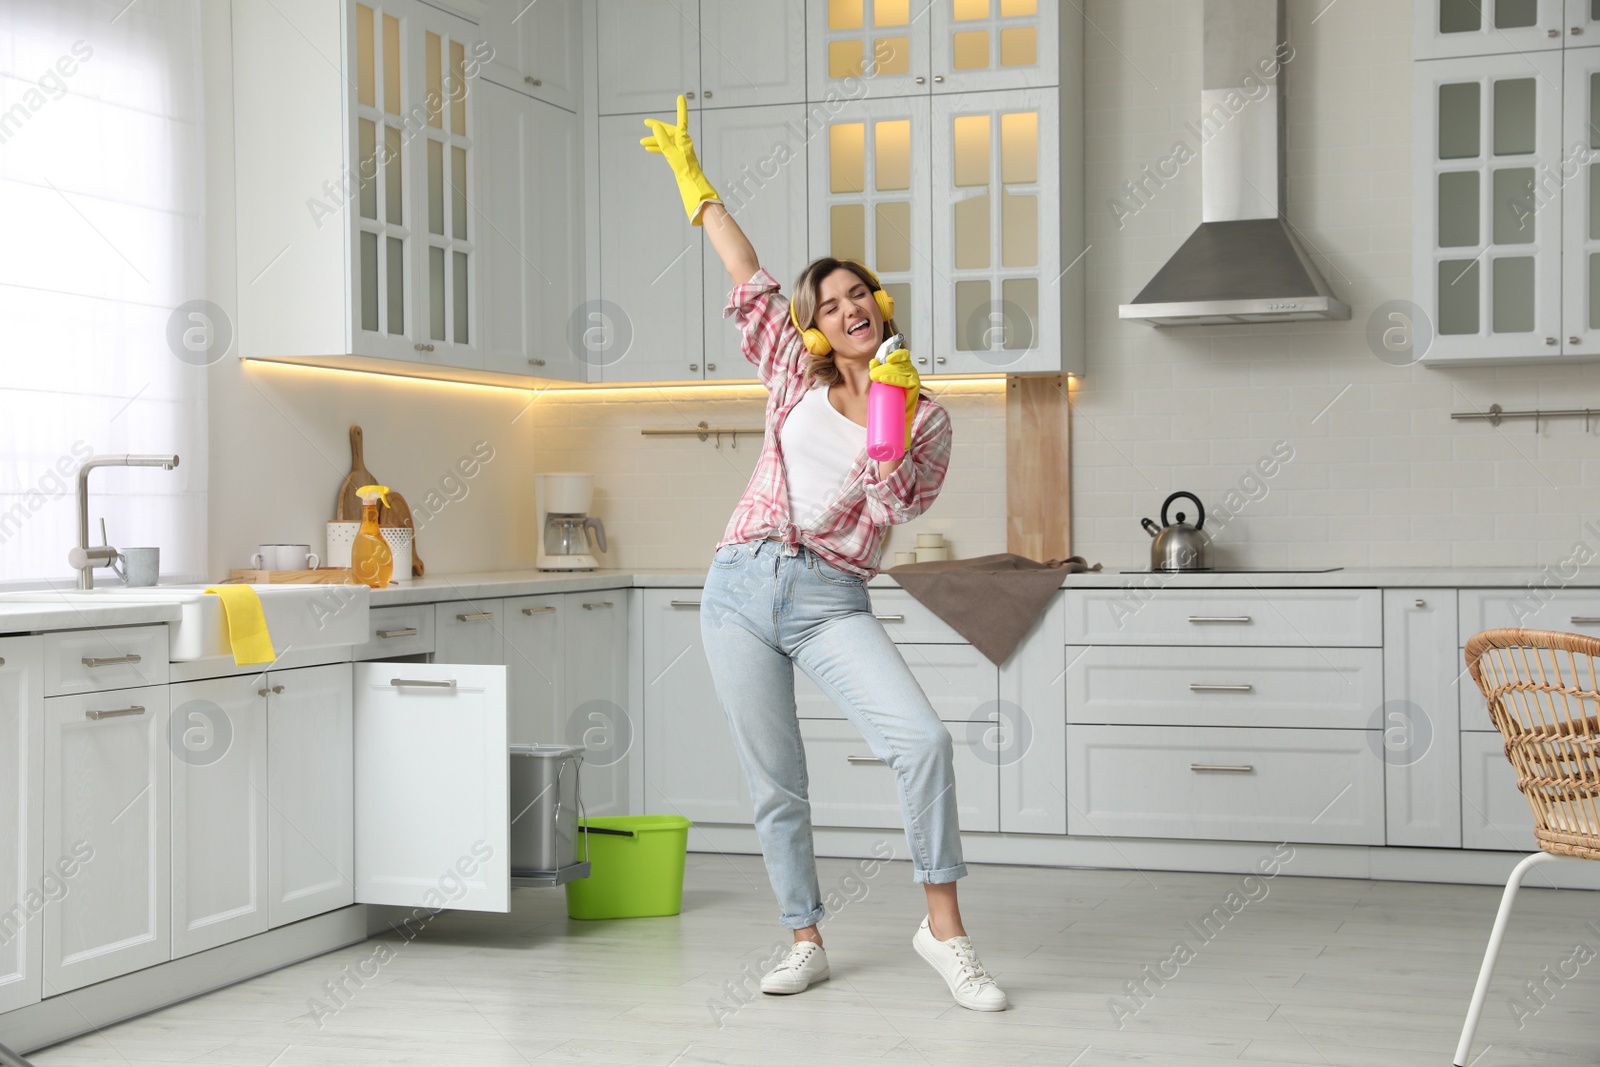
1309	971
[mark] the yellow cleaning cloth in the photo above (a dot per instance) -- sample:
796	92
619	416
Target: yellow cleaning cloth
247	626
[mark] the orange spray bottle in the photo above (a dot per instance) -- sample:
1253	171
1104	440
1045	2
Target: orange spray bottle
371	561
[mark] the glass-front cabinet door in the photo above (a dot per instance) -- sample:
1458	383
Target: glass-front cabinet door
1449	28
866	48
381	225
994	44
1580	178
1583	23
1488	239
447	267
996	221
869	195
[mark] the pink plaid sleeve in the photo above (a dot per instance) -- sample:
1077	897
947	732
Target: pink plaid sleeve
915	484
770	340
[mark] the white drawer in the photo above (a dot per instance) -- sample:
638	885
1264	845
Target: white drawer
117	657
1298	687
397	631
1494	813
1568	610
1226	784
850	787
906	620
961	684
1316	617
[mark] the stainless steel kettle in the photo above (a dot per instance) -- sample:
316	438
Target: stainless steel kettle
1177	545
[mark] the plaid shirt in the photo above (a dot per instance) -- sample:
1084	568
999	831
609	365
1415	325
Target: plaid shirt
849	533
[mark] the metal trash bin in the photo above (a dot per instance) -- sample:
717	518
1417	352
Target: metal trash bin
544	815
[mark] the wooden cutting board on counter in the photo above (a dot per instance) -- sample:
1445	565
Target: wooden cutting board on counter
347	508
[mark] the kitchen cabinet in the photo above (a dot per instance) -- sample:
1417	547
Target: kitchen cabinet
1026	734
22	870
1495	271
470	631
961	46
534	629
1453	28
756	159
717	53
1494	812
310	792
691	767
432	791
1420	720
996	175
533	248
849	786
870	197
107	805
218	742
359	172
538	49
1580	198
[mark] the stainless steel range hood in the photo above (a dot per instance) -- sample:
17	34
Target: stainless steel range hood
1244	262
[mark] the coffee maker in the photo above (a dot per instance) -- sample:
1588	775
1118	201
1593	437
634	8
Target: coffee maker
564	522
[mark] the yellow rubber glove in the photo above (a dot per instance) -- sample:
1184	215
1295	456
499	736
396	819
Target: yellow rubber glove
674	143
897	369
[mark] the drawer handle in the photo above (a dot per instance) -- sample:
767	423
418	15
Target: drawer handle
890	618
597	604
109	661
1222	768
547	609
474	616
686	603
137	709
426	683
863	759
1202	687
1586	620
1218	618
405	631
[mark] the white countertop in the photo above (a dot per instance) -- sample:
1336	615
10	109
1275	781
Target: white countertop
19	616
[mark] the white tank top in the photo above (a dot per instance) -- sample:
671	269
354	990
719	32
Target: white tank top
820	445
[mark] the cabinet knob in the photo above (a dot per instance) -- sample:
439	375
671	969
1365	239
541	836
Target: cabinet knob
277	689
535	362
708	94
694	367
1553	33
262	692
921	80
420	347
1574	341
1421	603
531	80
1551	341
923	360
938	359
689	95
1577	31
938	79
711	366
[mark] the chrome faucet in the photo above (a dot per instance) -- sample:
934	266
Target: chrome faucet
84	558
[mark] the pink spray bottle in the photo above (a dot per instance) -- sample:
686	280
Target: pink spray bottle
886	412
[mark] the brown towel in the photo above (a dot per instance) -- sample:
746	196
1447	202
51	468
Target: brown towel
992	601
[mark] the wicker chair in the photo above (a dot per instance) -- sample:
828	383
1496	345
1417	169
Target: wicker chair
1543	696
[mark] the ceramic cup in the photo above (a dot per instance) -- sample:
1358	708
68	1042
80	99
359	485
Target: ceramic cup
932	555
138	566
399	539
341	535
284	558
930	540
902	559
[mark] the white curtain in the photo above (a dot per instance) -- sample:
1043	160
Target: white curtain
101	239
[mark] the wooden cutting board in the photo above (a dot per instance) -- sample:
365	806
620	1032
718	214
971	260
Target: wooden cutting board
347	508
398	513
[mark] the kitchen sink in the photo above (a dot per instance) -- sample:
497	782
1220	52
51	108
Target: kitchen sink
299	617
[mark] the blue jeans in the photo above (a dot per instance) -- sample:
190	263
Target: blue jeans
762	610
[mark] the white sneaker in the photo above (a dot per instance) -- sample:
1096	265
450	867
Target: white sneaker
957	963
805	965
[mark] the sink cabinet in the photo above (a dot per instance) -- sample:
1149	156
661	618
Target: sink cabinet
21	820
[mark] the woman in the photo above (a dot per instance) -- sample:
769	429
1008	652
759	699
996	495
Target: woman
787	584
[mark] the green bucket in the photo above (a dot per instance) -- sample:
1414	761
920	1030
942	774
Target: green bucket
635	867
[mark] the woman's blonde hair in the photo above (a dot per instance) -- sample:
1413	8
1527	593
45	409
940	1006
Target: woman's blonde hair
805	298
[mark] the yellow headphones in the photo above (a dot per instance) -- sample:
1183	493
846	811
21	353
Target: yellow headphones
813	339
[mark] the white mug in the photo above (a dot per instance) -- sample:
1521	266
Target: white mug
284	558
138	566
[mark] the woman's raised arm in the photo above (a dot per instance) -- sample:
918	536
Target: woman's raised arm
734	248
